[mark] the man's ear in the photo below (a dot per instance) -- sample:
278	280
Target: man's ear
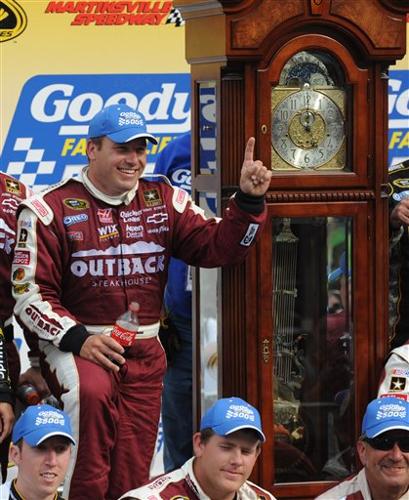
361	448
14	454
198	445
91	147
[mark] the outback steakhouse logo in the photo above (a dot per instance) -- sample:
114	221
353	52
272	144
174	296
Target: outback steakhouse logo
115	13
13	20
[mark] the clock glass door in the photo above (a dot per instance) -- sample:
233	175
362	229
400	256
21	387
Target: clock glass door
313	379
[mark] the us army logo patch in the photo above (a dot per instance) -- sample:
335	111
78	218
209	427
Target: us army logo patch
398	384
152	198
12	186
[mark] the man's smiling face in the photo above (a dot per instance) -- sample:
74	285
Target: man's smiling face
386	470
115	168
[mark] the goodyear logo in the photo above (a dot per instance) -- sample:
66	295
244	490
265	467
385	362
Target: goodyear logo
398	104
13	20
47	137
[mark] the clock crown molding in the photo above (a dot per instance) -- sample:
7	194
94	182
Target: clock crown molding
379	25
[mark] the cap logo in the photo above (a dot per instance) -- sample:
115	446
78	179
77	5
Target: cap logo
130	118
391	410
49	417
240	411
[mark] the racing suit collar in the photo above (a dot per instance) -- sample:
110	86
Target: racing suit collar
125	198
190	477
244	493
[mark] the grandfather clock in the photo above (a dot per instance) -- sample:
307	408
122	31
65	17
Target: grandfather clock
300	329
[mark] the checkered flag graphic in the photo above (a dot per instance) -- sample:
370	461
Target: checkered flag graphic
175	18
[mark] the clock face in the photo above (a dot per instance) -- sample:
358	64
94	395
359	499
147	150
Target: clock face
308	131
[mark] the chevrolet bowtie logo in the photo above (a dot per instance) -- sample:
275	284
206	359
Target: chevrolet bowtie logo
3	14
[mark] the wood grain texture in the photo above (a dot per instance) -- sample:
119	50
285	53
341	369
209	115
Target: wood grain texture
382	27
252	27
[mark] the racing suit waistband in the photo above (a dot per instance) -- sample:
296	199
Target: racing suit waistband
144	331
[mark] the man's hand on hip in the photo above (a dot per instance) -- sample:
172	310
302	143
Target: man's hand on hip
104	351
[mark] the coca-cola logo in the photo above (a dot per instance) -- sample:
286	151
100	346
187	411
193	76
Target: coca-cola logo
124	337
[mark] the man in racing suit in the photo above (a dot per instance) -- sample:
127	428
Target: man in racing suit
91	246
225	449
383	449
399	254
12	193
395	376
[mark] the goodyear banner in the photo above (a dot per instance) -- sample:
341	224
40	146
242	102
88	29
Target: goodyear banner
66	60
398	136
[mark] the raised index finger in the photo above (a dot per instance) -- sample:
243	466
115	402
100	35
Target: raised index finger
249	152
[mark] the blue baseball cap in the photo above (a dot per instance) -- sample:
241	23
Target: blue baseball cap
230	415
120	123
40	422
341	270
385	414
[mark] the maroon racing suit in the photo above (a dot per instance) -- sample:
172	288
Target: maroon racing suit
12	192
81	258
182	484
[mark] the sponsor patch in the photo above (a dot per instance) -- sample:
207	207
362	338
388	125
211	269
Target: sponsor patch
21	257
152	198
401	372
25	223
250	235
157	218
75	235
76	204
116	263
395	395
19	274
22	238
41	209
69	220
400	196
105	215
158	230
180	197
401	183
13	186
43	322
134	231
20	289
110	231
11	203
397	384
131	215
159	482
